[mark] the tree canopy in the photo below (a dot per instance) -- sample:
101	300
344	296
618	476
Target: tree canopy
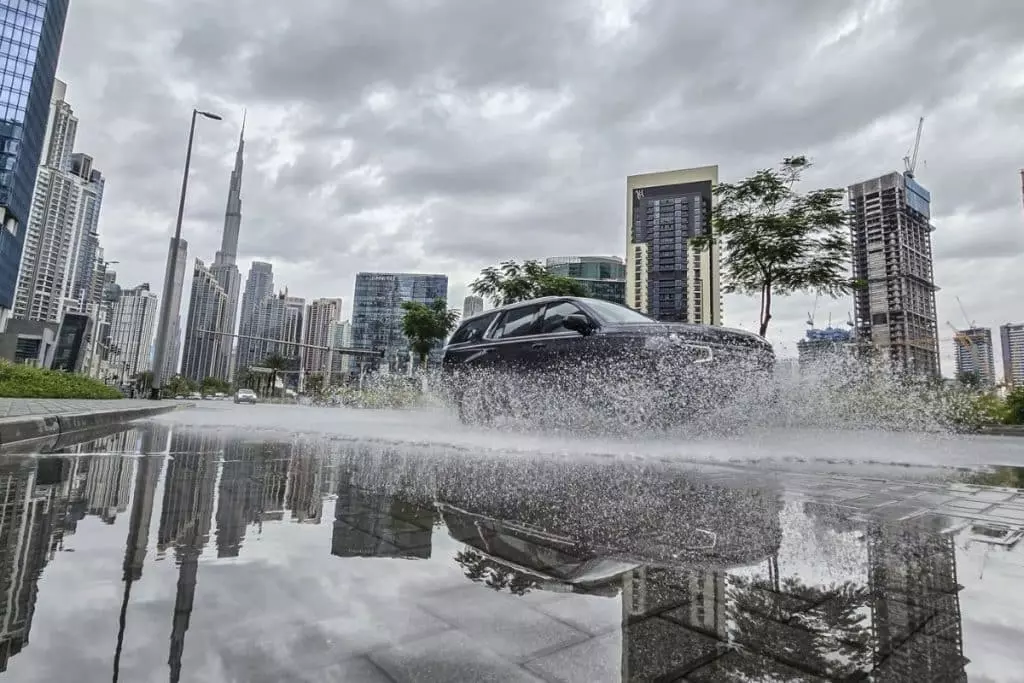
425	326
777	241
511	281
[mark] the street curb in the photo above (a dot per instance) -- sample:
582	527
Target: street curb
17	430
1003	430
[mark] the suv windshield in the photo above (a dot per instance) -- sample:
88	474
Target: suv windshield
614	313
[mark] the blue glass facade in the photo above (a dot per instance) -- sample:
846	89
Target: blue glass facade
30	37
377	309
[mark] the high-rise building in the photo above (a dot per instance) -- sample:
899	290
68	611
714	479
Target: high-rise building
892	253
667	278
59	251
602	277
377	310
30	46
131	332
341	338
321	317
173	349
86	268
975	355
259	286
201	353
821	345
1012	337
472	305
225	268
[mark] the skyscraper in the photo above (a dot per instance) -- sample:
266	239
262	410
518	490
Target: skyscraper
1012	337
377	310
201	353
975	355
173	349
131	332
472	305
224	267
892	252
602	277
30	46
259	286
59	251
321	317
665	277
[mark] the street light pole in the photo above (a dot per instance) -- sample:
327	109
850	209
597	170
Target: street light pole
172	262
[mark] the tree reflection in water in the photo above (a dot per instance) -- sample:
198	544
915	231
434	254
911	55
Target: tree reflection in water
494	575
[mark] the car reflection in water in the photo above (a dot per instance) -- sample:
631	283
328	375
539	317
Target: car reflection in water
706	604
689	561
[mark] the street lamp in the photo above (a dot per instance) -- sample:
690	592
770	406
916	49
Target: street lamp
172	260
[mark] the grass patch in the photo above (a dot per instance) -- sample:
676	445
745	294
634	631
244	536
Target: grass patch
23	381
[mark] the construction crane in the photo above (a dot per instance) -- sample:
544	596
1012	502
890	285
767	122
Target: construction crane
910	161
814	309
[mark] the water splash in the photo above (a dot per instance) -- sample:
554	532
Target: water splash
626	399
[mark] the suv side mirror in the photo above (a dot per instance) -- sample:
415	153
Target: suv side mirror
577	322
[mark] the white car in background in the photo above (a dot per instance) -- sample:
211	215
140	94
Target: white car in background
245	396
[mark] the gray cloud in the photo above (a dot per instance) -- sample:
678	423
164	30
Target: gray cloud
444	136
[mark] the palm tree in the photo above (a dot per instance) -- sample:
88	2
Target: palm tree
275	362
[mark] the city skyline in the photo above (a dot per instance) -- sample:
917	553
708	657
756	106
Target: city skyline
350	176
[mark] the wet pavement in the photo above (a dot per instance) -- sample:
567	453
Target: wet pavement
200	553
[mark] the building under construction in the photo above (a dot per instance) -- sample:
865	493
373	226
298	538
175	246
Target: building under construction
892	254
975	355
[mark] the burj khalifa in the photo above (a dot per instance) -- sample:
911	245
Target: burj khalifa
225	269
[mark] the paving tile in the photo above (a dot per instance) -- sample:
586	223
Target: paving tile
591	614
593	661
1009	513
932	498
448	656
519	633
994	496
963	504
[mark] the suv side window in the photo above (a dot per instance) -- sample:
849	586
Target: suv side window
517	322
555	315
474	328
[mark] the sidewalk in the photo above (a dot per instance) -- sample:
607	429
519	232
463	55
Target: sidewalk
29	419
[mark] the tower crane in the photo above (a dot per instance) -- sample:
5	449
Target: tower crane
910	161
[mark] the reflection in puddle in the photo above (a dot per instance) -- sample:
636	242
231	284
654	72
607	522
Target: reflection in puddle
464	567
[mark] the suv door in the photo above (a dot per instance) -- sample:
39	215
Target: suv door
469	348
512	336
553	344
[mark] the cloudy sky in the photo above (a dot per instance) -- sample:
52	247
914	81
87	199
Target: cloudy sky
447	135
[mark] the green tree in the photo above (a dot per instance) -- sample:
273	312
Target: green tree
213	385
275	362
314	384
776	241
178	386
510	282
143	381
970	380
425	326
1015	407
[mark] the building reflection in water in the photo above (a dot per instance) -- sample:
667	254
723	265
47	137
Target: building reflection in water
371	524
722	615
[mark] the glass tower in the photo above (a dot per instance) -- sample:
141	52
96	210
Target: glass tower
30	37
377	309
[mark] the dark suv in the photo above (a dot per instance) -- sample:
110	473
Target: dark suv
502	360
